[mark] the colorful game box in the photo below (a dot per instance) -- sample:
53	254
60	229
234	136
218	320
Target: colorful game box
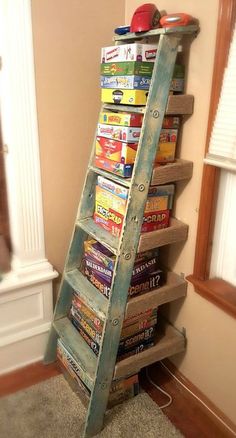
126	97
110	208
156	220
166	146
124	170
87	312
121	119
120	389
73	366
115	150
131	82
122	133
142	269
171	122
141	285
129	52
127	68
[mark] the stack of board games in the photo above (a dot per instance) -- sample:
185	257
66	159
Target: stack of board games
126	72
131	81
110	204
137	333
120	390
98	266
117	140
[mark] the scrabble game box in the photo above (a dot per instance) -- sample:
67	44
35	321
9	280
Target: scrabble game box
110	207
131	82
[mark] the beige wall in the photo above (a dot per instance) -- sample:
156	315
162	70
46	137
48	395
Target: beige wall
209	361
67	41
68	36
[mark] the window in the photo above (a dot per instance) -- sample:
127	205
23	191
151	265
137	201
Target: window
221	292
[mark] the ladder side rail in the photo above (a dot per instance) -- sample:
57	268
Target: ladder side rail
74	255
142	173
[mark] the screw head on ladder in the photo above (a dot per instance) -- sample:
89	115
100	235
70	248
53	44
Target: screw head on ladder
115	321
141	187
127	256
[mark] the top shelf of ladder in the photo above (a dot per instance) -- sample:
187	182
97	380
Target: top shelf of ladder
185	30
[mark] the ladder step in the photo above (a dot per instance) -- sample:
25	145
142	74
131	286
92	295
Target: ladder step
175	287
176	105
191	28
88	293
98	233
80	350
124	108
176	232
126	182
169	341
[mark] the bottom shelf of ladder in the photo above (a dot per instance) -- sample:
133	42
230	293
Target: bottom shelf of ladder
168	342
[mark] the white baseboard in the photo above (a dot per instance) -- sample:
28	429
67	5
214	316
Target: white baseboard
22	353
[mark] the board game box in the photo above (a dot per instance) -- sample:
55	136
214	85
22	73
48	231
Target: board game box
129	52
124	170
131	82
122	133
124	97
116	150
127	68
155	280
121	119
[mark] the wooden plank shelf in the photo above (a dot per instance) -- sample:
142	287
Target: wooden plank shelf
179	104
156	32
177	171
168	342
175	287
176	232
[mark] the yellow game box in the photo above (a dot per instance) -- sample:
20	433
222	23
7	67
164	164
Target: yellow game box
127	97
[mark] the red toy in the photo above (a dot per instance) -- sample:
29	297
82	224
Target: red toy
145	17
173	20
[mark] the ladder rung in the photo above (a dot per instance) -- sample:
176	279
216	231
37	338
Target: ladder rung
80	350
192	28
98	233
89	294
124	108
126	182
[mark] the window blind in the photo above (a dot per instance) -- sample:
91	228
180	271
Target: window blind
222	147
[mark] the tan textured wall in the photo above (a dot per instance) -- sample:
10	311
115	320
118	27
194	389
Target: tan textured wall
209	361
68	36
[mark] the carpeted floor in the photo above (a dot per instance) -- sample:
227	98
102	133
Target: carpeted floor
51	410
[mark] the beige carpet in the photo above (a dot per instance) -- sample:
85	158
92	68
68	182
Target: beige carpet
51	410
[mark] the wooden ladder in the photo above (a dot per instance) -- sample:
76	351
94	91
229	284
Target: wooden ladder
101	370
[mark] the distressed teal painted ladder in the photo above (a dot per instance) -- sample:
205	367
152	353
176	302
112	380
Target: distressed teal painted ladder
102	369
